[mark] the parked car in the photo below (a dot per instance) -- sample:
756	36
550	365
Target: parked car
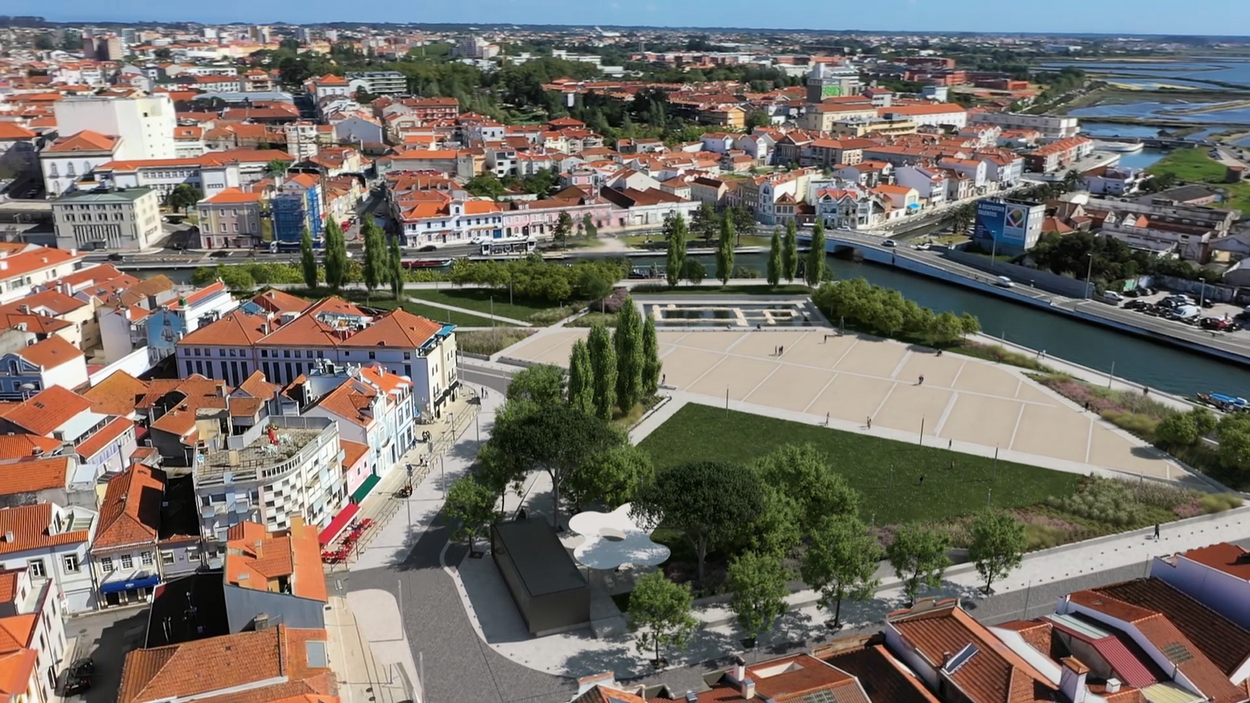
220	254
1111	296
1186	312
76	678
1136	305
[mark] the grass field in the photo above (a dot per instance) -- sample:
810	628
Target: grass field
479	300
384	301
700	432
1195	166
761	289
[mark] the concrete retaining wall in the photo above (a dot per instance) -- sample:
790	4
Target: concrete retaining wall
1045	280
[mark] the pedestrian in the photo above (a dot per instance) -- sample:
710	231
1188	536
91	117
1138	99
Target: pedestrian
921	380
1156	532
781	350
1145	391
1043	353
826	419
922	479
663	379
870	422
949	444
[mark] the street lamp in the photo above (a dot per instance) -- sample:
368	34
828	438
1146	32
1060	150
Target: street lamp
1089	273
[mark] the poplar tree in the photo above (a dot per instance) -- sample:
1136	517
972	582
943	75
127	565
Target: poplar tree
675	232
651	364
814	271
790	253
603	370
581	378
335	256
629	360
308	260
374	270
395	271
774	259
725	248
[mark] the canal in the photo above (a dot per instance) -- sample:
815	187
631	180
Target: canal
1136	359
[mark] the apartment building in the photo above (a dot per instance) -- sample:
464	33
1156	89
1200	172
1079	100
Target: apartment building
144	126
1058	154
942	115
1052	128
230	219
34	648
45	364
52	541
378	82
74	157
211	172
285	468
296	208
113	220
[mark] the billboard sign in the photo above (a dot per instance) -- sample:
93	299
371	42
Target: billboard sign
991	216
1015	224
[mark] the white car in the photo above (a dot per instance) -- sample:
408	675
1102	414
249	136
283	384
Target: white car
890	243
1004	282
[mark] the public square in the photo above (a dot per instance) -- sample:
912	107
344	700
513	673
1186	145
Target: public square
975	405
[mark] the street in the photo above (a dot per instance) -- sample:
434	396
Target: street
106	637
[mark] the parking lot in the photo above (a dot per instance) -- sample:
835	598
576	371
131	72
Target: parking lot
1216	317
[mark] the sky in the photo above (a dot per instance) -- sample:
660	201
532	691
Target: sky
1223	17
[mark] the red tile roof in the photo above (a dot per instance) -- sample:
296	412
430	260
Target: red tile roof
117	394
33	475
31	527
50	353
131	510
258	560
85	140
1228	558
49	409
23	446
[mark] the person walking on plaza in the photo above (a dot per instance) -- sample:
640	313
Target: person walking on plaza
921	380
870	422
1156	532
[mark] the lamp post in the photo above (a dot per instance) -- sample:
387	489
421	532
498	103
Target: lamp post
1089	274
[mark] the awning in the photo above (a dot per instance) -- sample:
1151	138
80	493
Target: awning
338	523
360	493
141	581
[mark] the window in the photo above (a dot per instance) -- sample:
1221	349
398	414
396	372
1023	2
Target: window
71	563
146	558
127	562
106	564
373	355
167	558
36	567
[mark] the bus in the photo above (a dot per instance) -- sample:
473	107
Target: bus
513	246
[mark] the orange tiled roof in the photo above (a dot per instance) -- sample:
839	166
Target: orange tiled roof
105	436
31	525
396	328
47	410
33	475
85	140
230	662
231	196
131	510
280	301
23	446
117	394
257	559
13	131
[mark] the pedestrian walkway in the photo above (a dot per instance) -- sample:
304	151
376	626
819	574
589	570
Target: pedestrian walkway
474	313
362	676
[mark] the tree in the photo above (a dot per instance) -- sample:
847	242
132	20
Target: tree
918	556
308	260
335	255
276	167
486	185
725	249
744	223
603	369
969	324
556	439
962	218
1177	430
704	223
757	118
395	271
997	545
758	586
943	328
651	363
581	392
675	233
540	385
774	259
627	339
814	270
183	196
611	478
840	562
790	252
695	273
660	614
594	285
588	225
710	502
806	475
374	270
1204	421
472	505
564	227
1234	452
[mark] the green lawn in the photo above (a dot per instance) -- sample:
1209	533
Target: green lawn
1195	166
479	300
383	300
653	241
700	432
761	289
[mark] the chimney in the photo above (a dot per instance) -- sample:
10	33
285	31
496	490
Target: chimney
260	548
692	697
1113	686
1072	680
261	622
748	689
8	536
740	668
24	309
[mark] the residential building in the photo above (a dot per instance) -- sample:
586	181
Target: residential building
175	319
74	157
24	268
1217	576
52	541
144	126
42	365
378	82
115	220
301	139
822	116
1007	226
274	575
825	81
230	219
327	85
286	468
271	663
34	647
928	182
212	172
1160	242
1113	180
1058	154
1052	128
17	149
124	554
944	115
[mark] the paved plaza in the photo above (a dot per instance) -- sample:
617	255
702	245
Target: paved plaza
976	405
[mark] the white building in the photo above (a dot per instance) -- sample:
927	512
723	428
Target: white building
1051	127
145	125
372	407
378	82
53	542
211	173
270	476
1217	576
301	139
159	327
44	364
74	157
25	267
116	220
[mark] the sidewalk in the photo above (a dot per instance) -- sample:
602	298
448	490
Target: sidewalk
362	678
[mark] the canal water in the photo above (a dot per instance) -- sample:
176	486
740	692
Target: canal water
1136	359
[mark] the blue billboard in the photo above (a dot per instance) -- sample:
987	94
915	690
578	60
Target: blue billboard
1006	225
